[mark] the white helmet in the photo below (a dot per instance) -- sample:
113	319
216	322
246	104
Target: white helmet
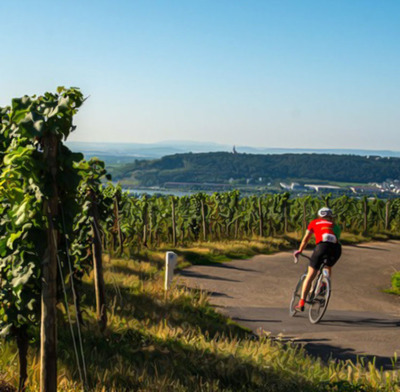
325	212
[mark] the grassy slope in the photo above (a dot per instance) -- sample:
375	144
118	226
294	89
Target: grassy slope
395	289
177	342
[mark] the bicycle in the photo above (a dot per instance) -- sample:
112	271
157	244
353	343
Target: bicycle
318	297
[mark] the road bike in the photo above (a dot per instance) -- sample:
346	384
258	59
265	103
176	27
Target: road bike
318	297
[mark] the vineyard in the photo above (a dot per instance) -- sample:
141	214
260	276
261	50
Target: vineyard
59	213
151	221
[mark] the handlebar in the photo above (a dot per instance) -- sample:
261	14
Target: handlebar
296	258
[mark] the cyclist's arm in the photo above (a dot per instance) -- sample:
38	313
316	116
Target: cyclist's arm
305	240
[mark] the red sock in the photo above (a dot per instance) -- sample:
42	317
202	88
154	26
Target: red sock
302	302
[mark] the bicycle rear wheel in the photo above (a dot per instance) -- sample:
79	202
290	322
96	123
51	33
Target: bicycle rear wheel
320	302
296	296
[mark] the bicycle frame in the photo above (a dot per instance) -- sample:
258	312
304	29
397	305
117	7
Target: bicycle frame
317	298
316	283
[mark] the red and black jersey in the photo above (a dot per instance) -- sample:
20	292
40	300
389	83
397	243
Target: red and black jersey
323	230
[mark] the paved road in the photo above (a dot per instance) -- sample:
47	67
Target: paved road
360	320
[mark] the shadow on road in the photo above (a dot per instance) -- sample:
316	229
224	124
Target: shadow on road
217	294
367	322
368	247
233	267
323	347
327	352
197	275
256	321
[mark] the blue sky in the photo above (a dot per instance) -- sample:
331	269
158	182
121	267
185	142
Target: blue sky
307	74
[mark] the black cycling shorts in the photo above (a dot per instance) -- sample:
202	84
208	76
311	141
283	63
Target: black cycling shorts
325	250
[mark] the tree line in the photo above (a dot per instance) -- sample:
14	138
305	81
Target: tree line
223	167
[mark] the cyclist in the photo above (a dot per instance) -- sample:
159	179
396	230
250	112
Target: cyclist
327	246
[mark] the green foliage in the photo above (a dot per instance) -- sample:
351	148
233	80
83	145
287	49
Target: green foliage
147	221
395	289
222	167
25	187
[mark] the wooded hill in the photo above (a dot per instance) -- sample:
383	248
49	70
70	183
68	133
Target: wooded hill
222	167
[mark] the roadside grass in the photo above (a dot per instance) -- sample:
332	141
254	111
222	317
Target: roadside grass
178	342
207	253
219	252
395	289
356	238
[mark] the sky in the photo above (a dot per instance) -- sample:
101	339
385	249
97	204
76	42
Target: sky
291	74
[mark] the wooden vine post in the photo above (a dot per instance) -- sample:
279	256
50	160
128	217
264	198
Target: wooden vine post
304	222
261	220
236	229
118	225
365	214
285	216
203	219
387	214
173	221
22	344
48	332
145	221
98	265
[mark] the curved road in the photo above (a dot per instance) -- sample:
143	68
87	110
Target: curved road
361	319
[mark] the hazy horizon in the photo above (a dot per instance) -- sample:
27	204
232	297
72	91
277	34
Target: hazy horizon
129	151
185	142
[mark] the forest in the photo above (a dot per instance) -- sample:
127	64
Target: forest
223	167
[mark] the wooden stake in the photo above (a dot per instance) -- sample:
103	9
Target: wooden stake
304	217
145	218
285	217
203	219
387	209
48	332
22	343
261	220
365	225
98	267
116	213
173	222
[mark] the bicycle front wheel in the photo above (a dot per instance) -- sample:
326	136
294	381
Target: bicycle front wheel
296	296
320	302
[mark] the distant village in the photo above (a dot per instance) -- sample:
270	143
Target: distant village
388	186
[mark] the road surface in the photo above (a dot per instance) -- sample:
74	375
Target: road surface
361	319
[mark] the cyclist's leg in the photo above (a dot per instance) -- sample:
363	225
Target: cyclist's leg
329	269
323	285
334	254
315	264
307	282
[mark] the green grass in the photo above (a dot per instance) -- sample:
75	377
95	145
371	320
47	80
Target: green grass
395	289
178	342
356	238
206	253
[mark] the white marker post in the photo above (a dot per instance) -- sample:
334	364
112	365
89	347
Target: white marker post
171	259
